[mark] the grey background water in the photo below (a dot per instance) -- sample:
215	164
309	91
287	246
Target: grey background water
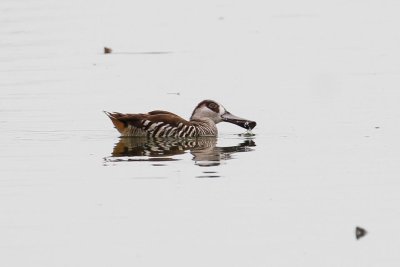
320	78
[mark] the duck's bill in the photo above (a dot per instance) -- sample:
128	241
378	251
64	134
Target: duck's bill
228	117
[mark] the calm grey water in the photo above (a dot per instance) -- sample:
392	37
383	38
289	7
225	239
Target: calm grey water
321	79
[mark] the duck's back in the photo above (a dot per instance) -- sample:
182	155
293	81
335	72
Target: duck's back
156	123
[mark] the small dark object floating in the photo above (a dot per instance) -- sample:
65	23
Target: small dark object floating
360	232
107	50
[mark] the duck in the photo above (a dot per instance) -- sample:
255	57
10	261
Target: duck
158	123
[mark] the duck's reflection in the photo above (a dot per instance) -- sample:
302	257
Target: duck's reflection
204	150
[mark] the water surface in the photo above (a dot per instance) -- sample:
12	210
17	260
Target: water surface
323	161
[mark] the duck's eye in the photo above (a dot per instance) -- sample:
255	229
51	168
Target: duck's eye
213	106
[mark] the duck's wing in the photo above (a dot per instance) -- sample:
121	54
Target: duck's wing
146	124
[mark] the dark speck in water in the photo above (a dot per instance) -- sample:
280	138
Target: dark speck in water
360	232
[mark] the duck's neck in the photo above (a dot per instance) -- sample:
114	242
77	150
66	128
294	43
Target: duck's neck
205	127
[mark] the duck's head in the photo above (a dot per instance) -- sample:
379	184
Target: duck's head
217	113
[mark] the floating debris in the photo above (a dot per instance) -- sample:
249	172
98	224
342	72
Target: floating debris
360	232
107	50
377	127
177	93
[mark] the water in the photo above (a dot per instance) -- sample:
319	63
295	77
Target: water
323	159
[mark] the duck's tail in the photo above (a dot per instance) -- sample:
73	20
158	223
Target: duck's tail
114	116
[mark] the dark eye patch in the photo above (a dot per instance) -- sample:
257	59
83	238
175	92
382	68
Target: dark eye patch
213	106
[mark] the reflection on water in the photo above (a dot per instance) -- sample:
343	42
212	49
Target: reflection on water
204	150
